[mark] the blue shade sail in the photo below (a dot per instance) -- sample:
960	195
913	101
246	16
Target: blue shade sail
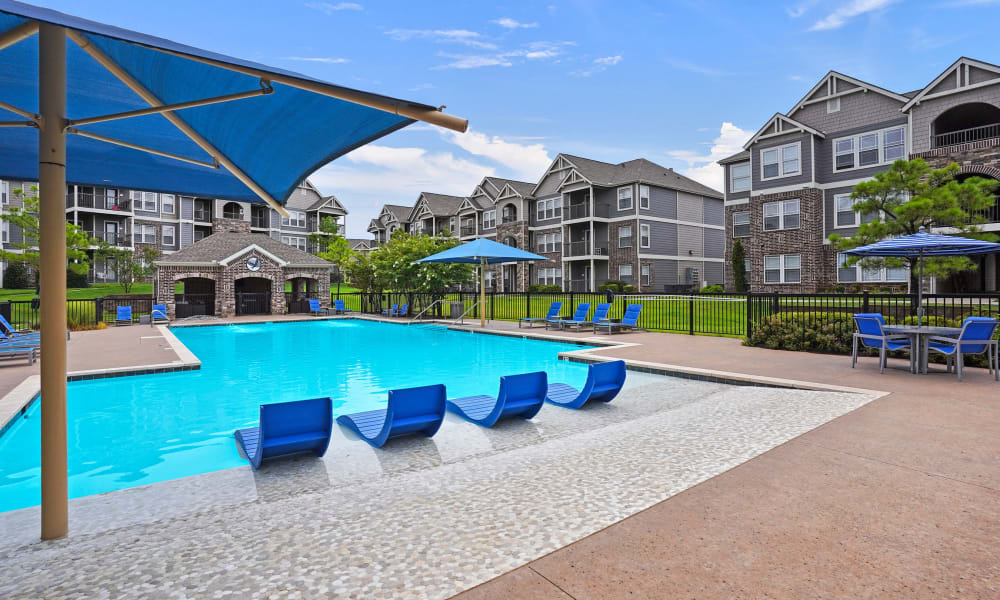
479	250
276	139
925	244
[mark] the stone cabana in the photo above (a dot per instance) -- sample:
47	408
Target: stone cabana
235	273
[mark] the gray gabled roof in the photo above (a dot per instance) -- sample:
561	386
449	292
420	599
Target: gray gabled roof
215	248
521	187
402	213
375	224
442	205
739	156
355	242
638	170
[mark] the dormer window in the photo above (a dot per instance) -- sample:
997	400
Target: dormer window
782	161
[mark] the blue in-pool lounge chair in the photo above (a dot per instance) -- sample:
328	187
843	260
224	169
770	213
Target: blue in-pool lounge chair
552	315
411	410
288	428
391	311
520	396
604	381
630	321
600	315
578	317
339	308
316	309
123	315
159	314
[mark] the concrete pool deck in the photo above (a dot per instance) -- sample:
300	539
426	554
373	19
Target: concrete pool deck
898	498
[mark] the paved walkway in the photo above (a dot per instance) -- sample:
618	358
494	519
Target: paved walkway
897	499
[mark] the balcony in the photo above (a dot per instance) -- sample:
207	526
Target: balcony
468	230
582	211
964	136
259	222
583	248
123	239
99	202
203	215
578	285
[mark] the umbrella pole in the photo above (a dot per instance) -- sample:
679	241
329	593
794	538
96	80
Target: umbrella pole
52	276
482	293
920	289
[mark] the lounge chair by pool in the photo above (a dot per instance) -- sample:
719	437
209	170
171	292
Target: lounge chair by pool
410	411
316	309
19	350
520	396
604	381
7	331
339	308
629	322
159	314
391	311
402	311
579	316
551	315
600	315
288	428
123	315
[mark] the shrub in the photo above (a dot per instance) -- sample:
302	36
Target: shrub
613	285
628	289
76	280
16	277
538	287
711	289
804	332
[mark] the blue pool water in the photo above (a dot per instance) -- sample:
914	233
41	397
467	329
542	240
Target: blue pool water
129	431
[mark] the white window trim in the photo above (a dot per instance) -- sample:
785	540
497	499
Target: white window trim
645	274
859	274
642	197
837	211
163	203
781	163
621	237
643	227
630	204
287	240
781	270
781	215
173	235
856	147
623	266
748	177
833	105
749	231
490	219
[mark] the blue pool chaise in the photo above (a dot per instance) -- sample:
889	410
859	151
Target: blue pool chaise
604	381
159	314
600	316
410	411
288	428
8	332
579	316
391	311
629	322
553	314
316	309
520	396
123	315
339	308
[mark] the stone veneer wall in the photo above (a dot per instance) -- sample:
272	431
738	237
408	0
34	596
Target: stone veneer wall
519	231
980	158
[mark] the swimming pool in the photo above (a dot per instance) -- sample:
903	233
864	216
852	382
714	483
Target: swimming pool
130	431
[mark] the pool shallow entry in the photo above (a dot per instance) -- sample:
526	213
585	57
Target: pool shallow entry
130	431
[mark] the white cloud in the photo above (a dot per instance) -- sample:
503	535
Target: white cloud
509	23
687	65
530	51
319	59
599	65
421	86
703	168
608	60
442	36
526	161
847	11
330	8
801	8
473	61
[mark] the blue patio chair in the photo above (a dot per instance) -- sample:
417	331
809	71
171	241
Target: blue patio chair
604	381
579	316
600	314
976	338
410	411
316	309
7	331
629	322
23	339
123	315
159	314
402	311
520	396
391	311
288	428
339	308
871	335
553	314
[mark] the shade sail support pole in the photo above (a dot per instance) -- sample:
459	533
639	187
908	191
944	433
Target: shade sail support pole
52	250
18	124
117	142
482	293
133	84
153	110
19	111
15	35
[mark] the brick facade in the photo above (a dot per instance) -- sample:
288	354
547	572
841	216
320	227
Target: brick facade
978	158
623	256
518	230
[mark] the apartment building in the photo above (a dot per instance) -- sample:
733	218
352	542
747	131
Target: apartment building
172	222
789	189
636	221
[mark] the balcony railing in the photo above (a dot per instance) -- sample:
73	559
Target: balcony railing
578	211
583	248
203	215
260	222
991	214
467	231
114	239
102	202
962	136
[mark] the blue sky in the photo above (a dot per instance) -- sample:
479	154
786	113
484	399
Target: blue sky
679	83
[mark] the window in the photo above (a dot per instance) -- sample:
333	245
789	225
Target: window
4	193
6	232
746	268
782	268
780	162
549	242
783	214
869	149
550	276
854	273
451	225
294	241
644	236
167	201
168	235
549	209
644	274
489	279
741	224
739	177
490	219
643	196
232	210
294	219
625	197
833	105
625	237
846	273
509	213
146	234
846	215
145	201
625	273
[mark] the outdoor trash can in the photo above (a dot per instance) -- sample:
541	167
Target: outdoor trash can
457	308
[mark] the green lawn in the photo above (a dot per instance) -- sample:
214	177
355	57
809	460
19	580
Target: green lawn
99	290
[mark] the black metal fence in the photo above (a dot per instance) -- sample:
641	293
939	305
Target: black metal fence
80	314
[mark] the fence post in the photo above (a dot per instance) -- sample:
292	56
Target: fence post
98	310
493	296
570	302
749	315
691	315
864	302
527	305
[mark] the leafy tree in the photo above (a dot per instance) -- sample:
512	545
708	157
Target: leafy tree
739	259
394	263
16	277
128	265
26	218
911	195
361	273
332	246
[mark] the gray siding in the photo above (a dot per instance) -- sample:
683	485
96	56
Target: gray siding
712	273
856	110
275	219
715	243
187	208
550	184
662	203
690	240
715	212
927	111
731	195
824	153
187	234
664	272
662	238
830	214
690	208
805	156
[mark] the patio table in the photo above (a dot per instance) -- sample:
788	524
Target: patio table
918	335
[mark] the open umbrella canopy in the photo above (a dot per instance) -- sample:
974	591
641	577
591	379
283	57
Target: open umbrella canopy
264	131
482	251
925	244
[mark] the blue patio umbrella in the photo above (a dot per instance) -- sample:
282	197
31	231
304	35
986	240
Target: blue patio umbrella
482	252
93	104
922	244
